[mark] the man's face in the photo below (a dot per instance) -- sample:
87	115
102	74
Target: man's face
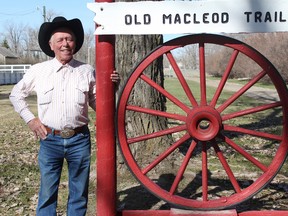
63	44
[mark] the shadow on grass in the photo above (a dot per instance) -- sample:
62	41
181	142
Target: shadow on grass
140	198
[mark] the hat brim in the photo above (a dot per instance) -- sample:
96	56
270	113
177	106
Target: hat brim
48	28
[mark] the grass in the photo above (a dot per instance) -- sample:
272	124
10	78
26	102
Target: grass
19	180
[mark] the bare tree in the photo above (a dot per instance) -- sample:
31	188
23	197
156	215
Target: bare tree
14	35
31	47
50	15
188	57
273	46
87	51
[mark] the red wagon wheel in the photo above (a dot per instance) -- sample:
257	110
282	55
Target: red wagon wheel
226	146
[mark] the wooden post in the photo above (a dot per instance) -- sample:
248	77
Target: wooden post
105	129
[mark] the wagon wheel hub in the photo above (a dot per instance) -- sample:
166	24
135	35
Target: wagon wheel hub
204	123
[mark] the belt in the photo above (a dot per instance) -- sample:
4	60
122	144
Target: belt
66	132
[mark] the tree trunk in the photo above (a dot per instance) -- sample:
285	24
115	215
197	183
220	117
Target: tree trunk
131	50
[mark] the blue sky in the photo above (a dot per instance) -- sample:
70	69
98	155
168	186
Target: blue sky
31	12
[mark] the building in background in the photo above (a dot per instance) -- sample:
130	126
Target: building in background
7	56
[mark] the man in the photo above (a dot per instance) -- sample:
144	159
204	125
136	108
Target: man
65	88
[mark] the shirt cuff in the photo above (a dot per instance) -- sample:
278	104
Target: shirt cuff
27	115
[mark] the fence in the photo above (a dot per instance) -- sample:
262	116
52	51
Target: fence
11	74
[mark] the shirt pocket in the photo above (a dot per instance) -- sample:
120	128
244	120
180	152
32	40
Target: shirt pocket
82	93
45	95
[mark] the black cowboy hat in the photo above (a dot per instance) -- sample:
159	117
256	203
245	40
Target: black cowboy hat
47	28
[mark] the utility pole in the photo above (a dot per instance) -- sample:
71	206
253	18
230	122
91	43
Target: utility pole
44	14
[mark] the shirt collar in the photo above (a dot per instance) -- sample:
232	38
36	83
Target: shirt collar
58	66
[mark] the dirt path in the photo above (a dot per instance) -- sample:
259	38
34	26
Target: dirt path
255	92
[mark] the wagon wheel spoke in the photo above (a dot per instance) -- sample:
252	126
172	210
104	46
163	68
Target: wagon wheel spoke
246	154
204	172
183	167
203	95
224	78
164	92
165	154
181	79
227	168
253	132
156	134
156	112
241	91
251	110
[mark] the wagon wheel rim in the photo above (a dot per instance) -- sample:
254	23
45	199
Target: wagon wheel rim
204	122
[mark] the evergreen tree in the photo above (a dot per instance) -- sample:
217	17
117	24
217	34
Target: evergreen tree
5	44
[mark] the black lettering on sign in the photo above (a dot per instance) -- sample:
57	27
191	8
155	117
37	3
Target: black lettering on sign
268	17
248	14
224	18
147	19
205	18
259	17
195	18
215	18
187	18
137	19
167	18
177	19
128	19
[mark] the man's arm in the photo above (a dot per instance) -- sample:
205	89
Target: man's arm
18	97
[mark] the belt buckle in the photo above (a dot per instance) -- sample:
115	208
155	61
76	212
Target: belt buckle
67	133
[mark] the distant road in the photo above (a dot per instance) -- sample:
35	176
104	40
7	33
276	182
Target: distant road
258	93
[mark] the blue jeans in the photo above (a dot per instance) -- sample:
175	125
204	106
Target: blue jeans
53	150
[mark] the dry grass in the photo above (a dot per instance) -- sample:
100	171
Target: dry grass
19	180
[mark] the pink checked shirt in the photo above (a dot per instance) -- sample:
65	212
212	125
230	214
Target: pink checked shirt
64	93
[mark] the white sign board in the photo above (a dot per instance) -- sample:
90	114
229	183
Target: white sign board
179	17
